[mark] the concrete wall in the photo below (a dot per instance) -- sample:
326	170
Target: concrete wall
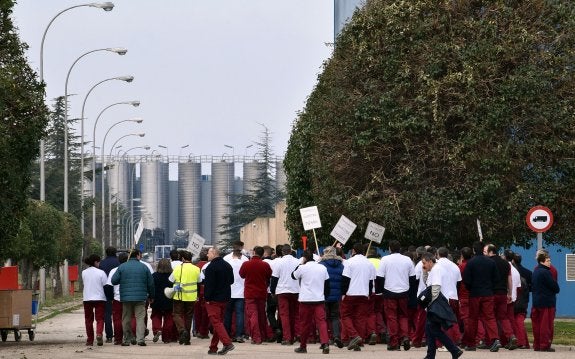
266	231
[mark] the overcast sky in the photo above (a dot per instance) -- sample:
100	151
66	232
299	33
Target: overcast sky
206	72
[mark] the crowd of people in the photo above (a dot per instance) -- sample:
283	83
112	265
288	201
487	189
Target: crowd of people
473	298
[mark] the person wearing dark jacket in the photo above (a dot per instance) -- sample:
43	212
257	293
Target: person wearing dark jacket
545	290
522	302
502	295
218	276
334	266
162	308
479	276
440	316
107	264
136	285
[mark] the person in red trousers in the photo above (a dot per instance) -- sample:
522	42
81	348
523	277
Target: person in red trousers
256	274
545	289
218	276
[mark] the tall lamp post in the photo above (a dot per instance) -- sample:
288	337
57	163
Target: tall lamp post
146	147
233	151
246	151
117	50
106	6
133	103
139	120
120	78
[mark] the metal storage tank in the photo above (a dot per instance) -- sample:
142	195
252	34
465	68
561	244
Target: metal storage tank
119	181
252	171
154	194
222	196
190	196
281	178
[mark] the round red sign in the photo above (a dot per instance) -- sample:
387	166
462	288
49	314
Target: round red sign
539	219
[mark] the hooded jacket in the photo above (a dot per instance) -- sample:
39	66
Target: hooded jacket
334	270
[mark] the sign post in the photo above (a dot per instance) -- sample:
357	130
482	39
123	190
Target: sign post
539	219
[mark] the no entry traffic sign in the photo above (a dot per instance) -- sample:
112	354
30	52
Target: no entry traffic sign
539	219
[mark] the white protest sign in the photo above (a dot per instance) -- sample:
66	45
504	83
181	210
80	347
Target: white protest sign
374	232
195	244
343	229
139	231
310	218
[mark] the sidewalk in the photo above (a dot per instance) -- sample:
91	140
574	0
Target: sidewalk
49	311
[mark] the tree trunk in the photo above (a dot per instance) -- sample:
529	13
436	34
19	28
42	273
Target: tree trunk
58	282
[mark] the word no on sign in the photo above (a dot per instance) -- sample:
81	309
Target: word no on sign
374	232
195	244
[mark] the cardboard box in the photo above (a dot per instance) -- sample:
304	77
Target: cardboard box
15	309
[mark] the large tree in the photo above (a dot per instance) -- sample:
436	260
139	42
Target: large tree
23	117
262	194
432	114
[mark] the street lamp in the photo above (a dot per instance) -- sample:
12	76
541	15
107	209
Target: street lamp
181	148
167	154
127	79
246	151
233	151
133	103
117	50
107	6
117	184
137	120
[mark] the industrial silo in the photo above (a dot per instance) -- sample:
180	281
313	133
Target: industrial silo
253	170
154	189
190	196
119	181
222	196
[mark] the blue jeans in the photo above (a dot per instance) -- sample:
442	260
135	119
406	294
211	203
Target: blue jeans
235	305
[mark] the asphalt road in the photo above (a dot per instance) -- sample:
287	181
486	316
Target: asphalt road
63	336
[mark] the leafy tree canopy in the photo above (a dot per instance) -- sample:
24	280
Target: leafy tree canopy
434	113
23	117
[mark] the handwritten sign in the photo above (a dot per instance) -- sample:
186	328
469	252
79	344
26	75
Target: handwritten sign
343	229
195	244
310	218
374	232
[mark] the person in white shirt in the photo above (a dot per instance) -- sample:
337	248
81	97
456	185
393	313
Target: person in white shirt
515	285
286	288
94	299
420	314
452	277
357	284
237	302
434	276
394	275
314	283
116	304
